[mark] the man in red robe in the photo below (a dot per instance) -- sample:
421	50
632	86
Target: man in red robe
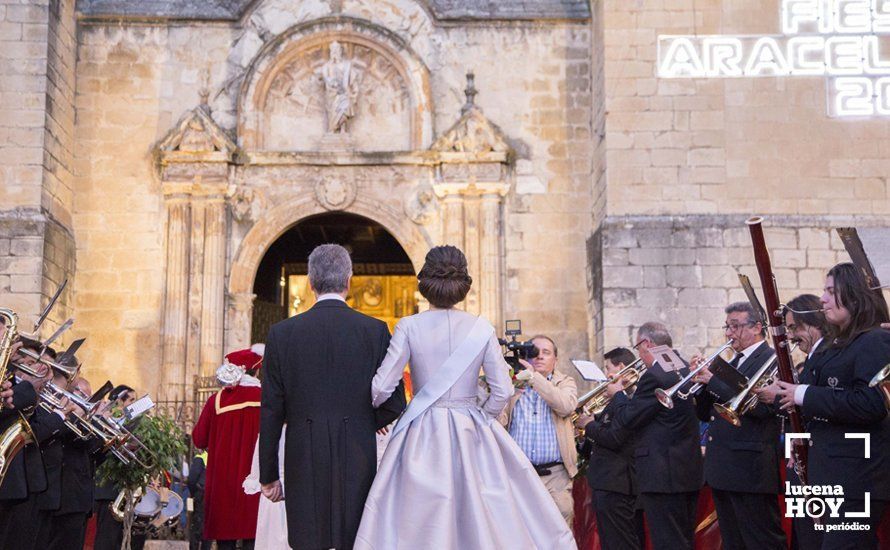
228	429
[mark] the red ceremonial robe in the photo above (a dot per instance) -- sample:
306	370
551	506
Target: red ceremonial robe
228	429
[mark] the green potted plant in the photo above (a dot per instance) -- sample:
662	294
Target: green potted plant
163	445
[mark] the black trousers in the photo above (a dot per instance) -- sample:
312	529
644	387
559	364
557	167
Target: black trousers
853	540
21	533
749	521
66	532
110	532
246	544
671	518
7	509
616	520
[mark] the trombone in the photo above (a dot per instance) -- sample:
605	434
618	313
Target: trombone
70	372
666	397
881	380
733	410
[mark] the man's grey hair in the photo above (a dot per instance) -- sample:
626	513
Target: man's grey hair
745	307
656	333
330	268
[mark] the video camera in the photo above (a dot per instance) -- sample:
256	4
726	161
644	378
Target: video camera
516	350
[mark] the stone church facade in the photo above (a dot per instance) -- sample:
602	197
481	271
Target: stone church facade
155	150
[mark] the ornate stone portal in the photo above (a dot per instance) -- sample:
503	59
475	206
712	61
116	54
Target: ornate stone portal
335	78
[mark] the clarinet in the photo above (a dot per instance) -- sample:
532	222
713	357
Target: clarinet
776	321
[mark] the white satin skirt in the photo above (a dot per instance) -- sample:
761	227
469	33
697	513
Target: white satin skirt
455	479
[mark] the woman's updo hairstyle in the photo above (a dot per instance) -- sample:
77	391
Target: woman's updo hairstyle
444	280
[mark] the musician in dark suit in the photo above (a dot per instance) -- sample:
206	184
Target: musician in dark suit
667	457
807	328
742	464
838	401
610	472
26	476
318	368
70	493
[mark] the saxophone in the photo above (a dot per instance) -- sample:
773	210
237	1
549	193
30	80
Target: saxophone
19	433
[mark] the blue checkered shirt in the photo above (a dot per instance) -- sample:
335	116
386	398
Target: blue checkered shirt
533	429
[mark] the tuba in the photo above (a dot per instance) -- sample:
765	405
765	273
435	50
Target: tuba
738	406
666	397
596	400
18	434
881	380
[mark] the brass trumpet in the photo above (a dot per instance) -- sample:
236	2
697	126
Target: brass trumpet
666	397
596	400
733	410
881	380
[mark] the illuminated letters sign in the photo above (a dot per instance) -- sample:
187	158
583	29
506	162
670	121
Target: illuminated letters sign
840	40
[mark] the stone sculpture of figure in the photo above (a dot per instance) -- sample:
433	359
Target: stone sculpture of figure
341	88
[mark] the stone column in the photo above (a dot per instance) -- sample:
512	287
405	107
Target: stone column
240	315
196	291
454	220
471	250
176	297
490	253
214	279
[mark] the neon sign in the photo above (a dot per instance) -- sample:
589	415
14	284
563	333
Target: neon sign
840	40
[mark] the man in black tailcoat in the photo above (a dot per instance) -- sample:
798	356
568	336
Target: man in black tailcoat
317	369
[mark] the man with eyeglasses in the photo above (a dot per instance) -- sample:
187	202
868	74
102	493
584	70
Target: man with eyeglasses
807	327
667	457
742	463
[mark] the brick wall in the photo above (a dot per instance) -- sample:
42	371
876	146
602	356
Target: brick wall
37	58
688	161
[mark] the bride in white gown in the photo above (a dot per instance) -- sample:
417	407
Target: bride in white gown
451	476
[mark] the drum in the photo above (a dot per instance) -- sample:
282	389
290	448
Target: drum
147	509
173	509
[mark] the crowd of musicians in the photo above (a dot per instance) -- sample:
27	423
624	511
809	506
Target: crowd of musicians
647	455
650	460
48	485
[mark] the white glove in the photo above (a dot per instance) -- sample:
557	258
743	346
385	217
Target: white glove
525	375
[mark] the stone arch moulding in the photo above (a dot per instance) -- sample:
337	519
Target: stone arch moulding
278	220
272	225
286	48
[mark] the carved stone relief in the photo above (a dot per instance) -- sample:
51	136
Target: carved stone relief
340	87
473	134
246	203
421	204
335	192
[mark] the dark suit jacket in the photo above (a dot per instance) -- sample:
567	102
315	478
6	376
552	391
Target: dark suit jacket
611	465
78	475
839	402
808	371
53	459
744	459
667	457
24	397
317	376
26	472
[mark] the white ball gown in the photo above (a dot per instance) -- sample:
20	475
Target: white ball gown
453	478
271	525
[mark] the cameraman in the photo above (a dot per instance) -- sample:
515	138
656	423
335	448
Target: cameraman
538	417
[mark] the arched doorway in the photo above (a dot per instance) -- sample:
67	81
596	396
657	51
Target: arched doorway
384	283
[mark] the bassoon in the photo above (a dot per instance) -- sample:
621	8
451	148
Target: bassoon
776	320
